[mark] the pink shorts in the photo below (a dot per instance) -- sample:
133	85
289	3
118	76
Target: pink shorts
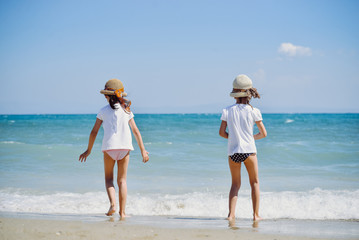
117	154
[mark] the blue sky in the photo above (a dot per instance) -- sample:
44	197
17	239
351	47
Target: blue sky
178	56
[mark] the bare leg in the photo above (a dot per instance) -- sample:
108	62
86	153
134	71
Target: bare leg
122	166
252	167
236	184
109	163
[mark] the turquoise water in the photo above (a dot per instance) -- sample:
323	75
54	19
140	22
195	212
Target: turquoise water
308	166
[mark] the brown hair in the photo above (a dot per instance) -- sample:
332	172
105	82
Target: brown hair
252	92
124	102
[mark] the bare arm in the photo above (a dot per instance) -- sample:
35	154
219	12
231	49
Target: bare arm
92	139
262	131
222	130
138	137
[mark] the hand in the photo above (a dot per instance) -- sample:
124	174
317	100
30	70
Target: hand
83	156
145	156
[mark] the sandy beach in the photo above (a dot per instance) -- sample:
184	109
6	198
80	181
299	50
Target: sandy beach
112	228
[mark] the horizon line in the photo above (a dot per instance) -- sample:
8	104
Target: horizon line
214	113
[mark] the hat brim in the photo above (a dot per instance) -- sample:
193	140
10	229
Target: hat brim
238	94
109	92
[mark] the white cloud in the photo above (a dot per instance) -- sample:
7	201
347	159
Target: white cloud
291	50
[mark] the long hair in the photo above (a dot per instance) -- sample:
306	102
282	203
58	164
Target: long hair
124	103
252	92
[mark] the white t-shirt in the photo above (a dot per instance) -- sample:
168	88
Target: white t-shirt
240	120
117	132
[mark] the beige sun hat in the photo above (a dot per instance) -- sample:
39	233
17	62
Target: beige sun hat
241	82
114	87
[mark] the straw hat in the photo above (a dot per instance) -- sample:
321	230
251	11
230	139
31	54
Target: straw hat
240	85
114	87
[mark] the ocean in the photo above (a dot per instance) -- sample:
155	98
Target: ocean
308	167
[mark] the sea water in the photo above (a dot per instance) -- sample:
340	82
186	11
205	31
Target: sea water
308	167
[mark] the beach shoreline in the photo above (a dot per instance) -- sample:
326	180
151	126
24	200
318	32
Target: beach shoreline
52	226
184	187
19	228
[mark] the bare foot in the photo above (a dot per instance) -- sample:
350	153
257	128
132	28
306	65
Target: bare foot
231	217
123	216
111	211
257	218
232	224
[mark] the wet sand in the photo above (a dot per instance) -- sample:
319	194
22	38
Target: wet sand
25	228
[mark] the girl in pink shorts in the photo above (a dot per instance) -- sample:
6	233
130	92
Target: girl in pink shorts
117	121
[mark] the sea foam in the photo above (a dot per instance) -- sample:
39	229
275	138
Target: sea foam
315	204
